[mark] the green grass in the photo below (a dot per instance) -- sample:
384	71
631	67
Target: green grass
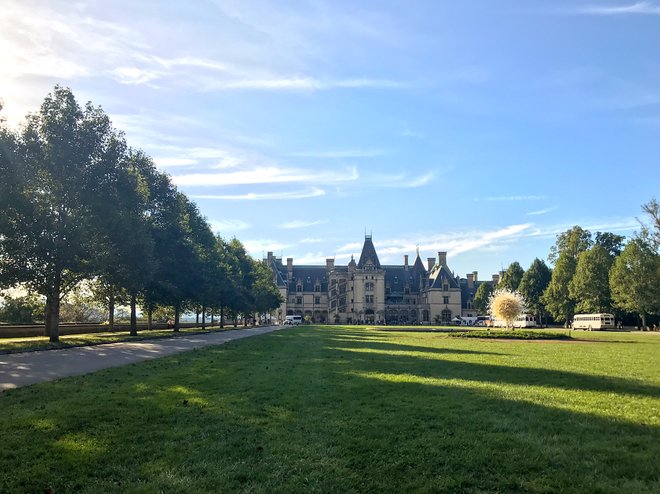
513	335
344	409
37	343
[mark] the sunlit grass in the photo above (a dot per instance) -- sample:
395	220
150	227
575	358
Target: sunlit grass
33	343
345	409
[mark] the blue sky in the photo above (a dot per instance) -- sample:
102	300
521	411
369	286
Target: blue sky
481	128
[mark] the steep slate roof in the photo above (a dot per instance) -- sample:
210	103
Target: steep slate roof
307	276
397	277
368	254
469	293
443	274
280	272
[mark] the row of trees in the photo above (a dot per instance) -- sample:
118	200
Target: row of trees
77	203
591	274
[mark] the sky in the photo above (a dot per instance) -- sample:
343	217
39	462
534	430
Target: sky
479	128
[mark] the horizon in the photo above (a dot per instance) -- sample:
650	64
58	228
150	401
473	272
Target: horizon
477	129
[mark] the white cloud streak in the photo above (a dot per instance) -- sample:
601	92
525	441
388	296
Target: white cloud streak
512	198
266	196
221	226
541	211
639	8
301	224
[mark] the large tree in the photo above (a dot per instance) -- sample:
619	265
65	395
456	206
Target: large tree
48	231
635	279
590	286
512	277
534	282
482	297
564	254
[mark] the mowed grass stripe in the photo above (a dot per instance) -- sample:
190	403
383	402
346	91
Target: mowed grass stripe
343	409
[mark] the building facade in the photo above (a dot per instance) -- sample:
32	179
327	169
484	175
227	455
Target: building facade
367	292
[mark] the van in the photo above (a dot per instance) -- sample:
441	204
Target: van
293	320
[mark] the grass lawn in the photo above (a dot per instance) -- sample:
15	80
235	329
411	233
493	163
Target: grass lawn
35	343
344	409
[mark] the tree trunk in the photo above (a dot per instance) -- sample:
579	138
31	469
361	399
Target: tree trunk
133	315
204	318
222	317
53	315
177	313
643	317
49	308
197	317
150	317
111	310
212	318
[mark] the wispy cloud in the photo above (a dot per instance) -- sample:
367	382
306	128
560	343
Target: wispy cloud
174	162
341	153
512	198
301	224
267	175
643	8
229	225
541	211
271	196
312	240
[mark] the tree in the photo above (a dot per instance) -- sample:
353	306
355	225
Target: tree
512	277
635	279
47	230
611	242
534	282
564	254
265	294
652	209
590	286
506	305
24	309
482	297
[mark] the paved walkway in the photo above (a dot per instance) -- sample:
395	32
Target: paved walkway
22	369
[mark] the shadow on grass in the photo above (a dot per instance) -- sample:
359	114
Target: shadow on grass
284	413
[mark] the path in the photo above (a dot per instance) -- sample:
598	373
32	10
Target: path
22	369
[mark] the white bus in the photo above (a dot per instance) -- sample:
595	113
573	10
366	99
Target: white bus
522	321
593	321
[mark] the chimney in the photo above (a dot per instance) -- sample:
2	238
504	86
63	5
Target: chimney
475	273
470	280
496	279
442	258
405	261
431	262
269	259
329	264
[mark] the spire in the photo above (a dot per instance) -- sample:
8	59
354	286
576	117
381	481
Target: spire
368	258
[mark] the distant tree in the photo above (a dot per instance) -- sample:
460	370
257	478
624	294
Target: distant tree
532	286
652	209
564	254
512	277
635	279
506	305
590	286
265	294
482	297
611	242
24	309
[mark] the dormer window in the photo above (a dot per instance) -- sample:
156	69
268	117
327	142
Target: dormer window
299	288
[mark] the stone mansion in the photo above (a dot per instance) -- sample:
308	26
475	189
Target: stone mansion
368	292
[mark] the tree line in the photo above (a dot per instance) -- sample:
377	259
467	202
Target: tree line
598	273
78	203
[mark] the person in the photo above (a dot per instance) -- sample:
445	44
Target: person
170	324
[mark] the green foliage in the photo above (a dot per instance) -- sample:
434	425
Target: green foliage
512	277
635	279
590	286
512	335
24	309
564	254
532	286
481	298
